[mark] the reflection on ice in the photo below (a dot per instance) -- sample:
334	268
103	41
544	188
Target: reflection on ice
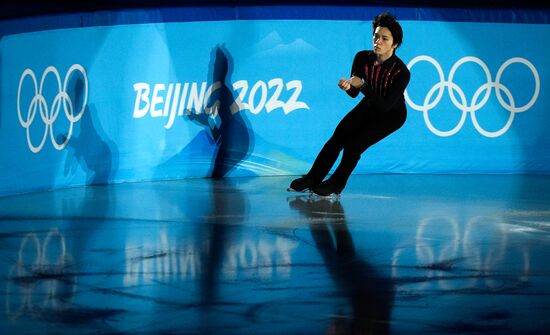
165	260
477	254
395	254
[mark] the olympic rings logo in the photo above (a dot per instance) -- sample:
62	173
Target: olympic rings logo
38	281
476	103
49	114
484	263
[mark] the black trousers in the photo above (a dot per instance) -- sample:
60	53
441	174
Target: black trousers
356	132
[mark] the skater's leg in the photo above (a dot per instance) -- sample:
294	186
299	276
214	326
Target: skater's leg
328	155
354	147
322	165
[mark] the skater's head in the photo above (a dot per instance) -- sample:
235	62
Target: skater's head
387	34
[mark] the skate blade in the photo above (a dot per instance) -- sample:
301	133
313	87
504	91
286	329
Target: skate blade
294	191
333	196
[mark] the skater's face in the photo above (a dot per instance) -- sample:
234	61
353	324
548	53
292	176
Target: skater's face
382	42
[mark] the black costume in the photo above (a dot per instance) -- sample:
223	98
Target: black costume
380	112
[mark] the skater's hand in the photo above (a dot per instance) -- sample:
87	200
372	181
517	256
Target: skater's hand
344	84
356	81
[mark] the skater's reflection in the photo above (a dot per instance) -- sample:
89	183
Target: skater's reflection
221	226
370	295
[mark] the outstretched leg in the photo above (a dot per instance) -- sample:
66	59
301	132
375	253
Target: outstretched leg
328	155
372	133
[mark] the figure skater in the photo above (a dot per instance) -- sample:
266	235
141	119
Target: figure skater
381	77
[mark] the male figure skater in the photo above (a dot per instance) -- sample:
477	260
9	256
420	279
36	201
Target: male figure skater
381	77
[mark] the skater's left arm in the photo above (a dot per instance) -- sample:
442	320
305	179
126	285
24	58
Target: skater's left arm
394	92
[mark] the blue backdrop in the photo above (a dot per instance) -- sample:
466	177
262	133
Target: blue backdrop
146	101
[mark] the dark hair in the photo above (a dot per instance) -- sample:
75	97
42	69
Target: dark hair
389	21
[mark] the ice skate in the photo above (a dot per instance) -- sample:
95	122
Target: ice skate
303	184
327	189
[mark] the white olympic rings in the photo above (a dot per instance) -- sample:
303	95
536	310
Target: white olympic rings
484	258
475	105
49	114
33	284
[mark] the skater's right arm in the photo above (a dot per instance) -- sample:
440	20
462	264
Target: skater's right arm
344	84
355	71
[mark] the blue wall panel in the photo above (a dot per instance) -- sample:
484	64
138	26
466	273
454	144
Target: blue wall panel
140	101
